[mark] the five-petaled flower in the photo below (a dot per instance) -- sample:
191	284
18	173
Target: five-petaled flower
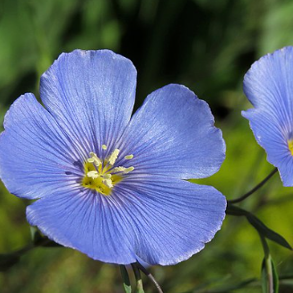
269	87
107	184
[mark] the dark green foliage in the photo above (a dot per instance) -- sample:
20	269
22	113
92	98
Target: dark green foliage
206	45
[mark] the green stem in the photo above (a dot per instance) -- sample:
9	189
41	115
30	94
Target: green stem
139	284
258	186
150	276
269	273
268	265
125	278
265	246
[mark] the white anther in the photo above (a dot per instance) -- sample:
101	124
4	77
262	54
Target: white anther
92	174
123	169
129	157
127	170
104	147
107	176
94	159
108	182
119	169
113	156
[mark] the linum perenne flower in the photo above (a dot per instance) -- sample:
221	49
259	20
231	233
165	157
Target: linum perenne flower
269	87
109	185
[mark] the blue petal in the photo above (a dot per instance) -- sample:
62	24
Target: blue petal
91	94
173	134
159	220
86	221
269	87
173	218
35	155
273	139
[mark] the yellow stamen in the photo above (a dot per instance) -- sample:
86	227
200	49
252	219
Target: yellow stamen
107	176
113	157
129	157
127	170
92	174
104	147
108	183
290	146
94	159
123	169
102	176
119	169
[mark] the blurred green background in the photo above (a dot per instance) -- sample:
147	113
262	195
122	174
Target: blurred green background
203	44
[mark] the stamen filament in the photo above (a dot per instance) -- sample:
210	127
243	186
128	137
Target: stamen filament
113	156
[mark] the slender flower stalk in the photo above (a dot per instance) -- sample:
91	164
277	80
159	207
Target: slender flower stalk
253	190
150	276
139	284
125	278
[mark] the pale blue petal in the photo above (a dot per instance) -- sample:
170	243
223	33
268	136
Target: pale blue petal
91	95
173	218
35	155
269	87
86	221
273	139
173	134
159	220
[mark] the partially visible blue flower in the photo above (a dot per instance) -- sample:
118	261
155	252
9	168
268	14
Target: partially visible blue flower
110	185
269	87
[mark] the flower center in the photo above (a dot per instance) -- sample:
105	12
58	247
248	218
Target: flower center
290	146
102	175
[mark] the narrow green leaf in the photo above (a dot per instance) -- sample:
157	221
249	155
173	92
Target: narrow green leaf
269	276
267	232
275	277
125	278
37	238
235	211
264	245
258	225
264	277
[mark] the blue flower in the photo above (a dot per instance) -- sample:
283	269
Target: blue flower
109	185
269	87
